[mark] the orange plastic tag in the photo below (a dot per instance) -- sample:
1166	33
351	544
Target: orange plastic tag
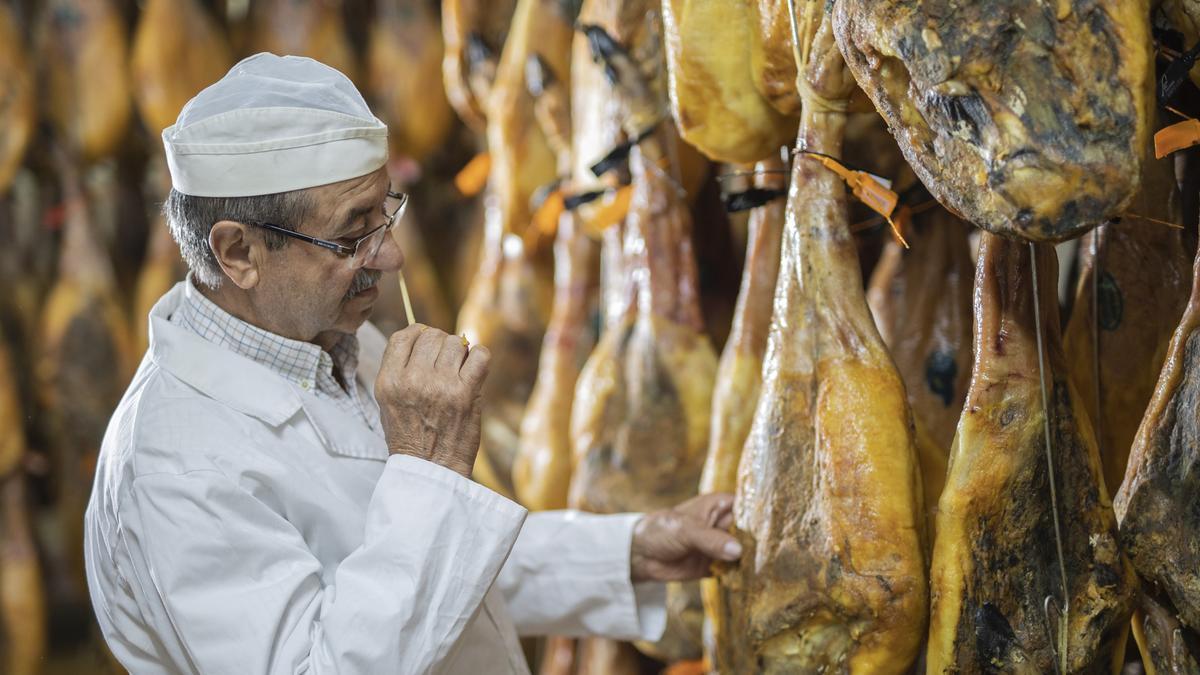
545	219
874	194
611	213
868	188
696	667
474	175
1176	137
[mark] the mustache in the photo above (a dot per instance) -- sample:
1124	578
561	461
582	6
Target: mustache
363	279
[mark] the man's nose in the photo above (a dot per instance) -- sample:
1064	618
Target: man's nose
389	258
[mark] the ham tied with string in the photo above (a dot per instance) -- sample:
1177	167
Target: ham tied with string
828	507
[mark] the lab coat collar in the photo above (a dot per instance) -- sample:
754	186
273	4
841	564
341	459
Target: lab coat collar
254	389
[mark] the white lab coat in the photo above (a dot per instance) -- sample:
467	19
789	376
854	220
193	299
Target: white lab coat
240	525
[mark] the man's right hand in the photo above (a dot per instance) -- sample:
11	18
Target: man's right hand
429	395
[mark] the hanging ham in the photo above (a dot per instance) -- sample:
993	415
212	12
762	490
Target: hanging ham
921	300
639	426
83	51
404	76
714	101
312	28
1156	507
17	98
83	361
542	470
178	49
508	302
739	372
474	31
828	506
22	605
1027	575
1133	286
1028	118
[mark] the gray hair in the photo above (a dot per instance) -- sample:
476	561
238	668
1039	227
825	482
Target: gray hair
191	219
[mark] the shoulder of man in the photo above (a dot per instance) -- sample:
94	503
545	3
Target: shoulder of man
164	425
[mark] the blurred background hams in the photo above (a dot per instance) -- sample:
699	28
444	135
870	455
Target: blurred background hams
404	60
474	32
312	28
83	49
17	97
177	51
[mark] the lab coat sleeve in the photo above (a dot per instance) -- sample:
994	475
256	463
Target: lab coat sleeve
242	592
569	575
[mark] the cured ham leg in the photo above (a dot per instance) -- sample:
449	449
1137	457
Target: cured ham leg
542	470
1156	506
739	372
17	98
508	303
713	98
1028	118
921	300
639	427
404	75
178	50
832	578
312	28
474	32
83	49
996	580
22	605
83	361
1132	289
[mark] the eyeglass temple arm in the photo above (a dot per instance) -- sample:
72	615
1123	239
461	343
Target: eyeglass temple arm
304	237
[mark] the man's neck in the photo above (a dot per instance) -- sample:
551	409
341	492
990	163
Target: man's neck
237	303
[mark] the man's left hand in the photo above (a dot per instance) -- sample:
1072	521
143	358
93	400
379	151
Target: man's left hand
679	544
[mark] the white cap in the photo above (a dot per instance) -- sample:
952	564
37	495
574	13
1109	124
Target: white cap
273	124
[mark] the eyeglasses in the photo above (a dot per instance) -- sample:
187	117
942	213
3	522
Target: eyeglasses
362	250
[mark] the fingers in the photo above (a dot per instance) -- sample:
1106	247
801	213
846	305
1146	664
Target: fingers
400	345
475	367
454	352
714	543
713	509
427	348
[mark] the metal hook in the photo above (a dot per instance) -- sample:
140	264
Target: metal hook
1053	617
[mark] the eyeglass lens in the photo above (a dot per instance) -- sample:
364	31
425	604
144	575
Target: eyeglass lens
369	247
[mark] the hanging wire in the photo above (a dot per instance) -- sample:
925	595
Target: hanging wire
1063	637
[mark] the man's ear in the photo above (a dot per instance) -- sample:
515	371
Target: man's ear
236	252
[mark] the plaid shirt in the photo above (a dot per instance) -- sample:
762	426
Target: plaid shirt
302	363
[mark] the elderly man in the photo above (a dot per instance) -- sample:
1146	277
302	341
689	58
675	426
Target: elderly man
259	506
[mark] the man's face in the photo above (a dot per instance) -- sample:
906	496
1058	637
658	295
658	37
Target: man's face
312	292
